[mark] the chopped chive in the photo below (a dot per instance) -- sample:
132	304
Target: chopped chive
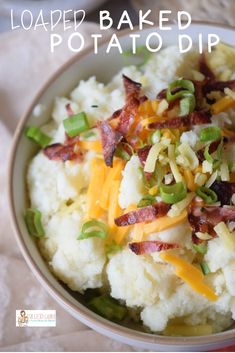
76	124
187	105
35	134
200	248
173	193
112	248
147	200
184	87
211	133
34	223
208	195
205	268
108	308
92	229
94	106
88	134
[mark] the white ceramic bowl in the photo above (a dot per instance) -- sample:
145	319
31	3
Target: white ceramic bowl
104	67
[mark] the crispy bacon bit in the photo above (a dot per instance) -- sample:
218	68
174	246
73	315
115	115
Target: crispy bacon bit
195	118
204	219
69	109
143	154
204	68
127	115
212	148
110	139
218	86
132	88
60	152
144	214
224	190
146	247
162	93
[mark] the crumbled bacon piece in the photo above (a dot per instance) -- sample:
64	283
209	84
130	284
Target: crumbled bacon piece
132	88
204	68
143	214
143	154
224	190
162	94
110	139
218	86
69	109
146	247
212	148
127	115
204	219
60	152
195	118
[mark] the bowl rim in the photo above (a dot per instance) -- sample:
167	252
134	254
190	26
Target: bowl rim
83	314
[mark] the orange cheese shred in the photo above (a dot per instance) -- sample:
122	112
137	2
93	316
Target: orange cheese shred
113	174
138	232
189	178
164	222
91	146
98	173
114	209
189	274
222	105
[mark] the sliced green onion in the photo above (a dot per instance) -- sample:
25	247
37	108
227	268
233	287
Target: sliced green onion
211	133
147	200
122	153
205	268
200	248
92	229
108	308
187	105
112	248
88	134
173	193
35	134
208	195
186	85
217	161
76	124
34	223
154	137
207	155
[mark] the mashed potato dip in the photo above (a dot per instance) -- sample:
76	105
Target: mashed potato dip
133	190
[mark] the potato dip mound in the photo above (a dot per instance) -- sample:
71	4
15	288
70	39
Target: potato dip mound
133	192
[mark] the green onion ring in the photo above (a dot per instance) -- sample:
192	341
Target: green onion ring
210	133
93	228
200	248
34	223
35	134
76	124
187	85
208	195
146	200
173	193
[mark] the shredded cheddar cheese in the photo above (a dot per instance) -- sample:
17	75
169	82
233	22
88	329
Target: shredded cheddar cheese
98	172
113	174
222	105
91	146
164	223
189	274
